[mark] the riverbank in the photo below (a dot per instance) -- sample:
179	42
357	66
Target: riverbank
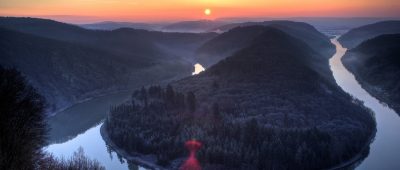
357	159
92	97
375	91
146	161
352	163
384	149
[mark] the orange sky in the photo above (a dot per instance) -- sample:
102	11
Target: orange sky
159	10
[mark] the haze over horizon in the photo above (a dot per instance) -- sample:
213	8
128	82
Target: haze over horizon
77	11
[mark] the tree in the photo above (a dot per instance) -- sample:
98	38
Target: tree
285	120
191	101
23	129
169	96
22	124
78	161
143	97
215	109
180	100
215	85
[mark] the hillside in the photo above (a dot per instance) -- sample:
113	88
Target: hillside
264	107
237	36
376	65
65	73
356	36
115	60
124	41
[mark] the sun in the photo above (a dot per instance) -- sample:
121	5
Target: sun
207	11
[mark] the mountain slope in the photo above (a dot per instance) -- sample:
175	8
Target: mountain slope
376	65
125	41
65	73
121	53
356	36
300	30
264	107
238	36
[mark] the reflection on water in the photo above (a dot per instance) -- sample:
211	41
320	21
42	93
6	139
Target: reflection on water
79	118
79	126
94	147
385	149
198	68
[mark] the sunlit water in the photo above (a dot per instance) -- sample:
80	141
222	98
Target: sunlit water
385	149
198	68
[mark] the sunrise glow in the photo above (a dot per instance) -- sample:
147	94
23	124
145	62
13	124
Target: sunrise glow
207	11
156	10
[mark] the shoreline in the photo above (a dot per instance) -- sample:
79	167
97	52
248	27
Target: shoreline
101	94
359	156
135	159
371	89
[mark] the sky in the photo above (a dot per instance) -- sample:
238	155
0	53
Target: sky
167	10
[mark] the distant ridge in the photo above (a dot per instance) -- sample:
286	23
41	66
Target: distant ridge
356	36
237	36
193	26
111	25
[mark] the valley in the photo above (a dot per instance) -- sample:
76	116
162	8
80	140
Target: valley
386	119
273	94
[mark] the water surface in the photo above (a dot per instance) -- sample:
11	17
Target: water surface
385	149
81	123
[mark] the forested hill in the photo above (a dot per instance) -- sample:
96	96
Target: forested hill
68	63
273	42
356	36
265	107
238	36
65	72
300	30
125	41
376	64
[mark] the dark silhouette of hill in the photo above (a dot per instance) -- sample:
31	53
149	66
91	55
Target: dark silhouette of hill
237	36
125	41
300	30
93	61
356	36
264	107
193	26
65	72
376	65
110	25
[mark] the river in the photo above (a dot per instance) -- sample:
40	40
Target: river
79	126
384	151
